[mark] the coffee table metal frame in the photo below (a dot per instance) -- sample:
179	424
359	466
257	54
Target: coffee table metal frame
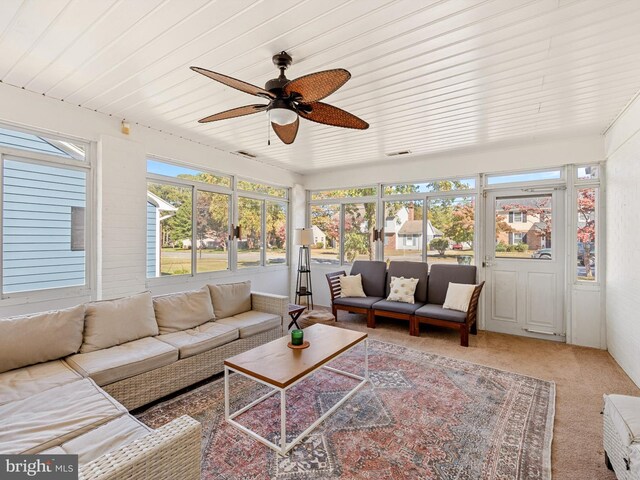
285	447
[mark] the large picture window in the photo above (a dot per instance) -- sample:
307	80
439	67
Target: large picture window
190	214
44	213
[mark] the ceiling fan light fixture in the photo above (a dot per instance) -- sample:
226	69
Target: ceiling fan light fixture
282	115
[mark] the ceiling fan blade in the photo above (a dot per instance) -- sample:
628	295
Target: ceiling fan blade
286	133
234	83
316	86
330	115
234	112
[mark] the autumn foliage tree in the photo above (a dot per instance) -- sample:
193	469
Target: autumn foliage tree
587	226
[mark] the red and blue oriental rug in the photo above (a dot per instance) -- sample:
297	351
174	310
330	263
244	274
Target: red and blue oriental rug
422	416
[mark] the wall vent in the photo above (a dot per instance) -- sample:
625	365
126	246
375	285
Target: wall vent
401	152
242	153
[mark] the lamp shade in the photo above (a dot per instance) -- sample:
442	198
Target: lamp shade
303	236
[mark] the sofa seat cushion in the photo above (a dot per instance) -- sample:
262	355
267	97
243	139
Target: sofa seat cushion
398	307
40	337
183	310
252	322
124	361
365	302
54	416
103	439
624	412
27	381
200	339
432	310
113	322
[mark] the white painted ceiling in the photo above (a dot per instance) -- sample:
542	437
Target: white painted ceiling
429	76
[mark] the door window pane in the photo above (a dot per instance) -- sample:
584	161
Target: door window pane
451	230
276	233
250	242
212	210
586	234
169	234
325	222
523	227
359	222
403	230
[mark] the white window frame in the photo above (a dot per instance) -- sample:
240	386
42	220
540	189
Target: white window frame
86	165
234	194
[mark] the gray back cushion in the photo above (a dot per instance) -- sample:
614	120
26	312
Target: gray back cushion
417	270
441	275
374	275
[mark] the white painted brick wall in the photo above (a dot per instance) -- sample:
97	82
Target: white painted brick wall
623	255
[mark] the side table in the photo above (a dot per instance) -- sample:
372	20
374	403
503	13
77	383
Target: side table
294	312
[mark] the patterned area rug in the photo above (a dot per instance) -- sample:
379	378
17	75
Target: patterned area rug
422	416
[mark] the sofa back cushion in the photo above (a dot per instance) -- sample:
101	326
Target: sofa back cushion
419	270
230	299
42	337
374	276
441	275
113	322
184	310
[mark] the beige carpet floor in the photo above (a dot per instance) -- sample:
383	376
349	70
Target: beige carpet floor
582	376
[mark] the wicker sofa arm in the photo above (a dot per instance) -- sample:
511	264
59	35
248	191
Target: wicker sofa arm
271	303
170	452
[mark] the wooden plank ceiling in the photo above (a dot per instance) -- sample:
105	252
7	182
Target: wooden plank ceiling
429	76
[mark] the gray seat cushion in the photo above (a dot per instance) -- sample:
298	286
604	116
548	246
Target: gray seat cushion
358	302
431	310
442	274
398	307
374	275
419	270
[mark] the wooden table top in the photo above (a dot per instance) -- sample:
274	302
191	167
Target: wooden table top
294	308
280	366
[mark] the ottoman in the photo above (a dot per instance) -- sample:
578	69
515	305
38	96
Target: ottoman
622	435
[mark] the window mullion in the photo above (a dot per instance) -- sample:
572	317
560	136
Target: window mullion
194	230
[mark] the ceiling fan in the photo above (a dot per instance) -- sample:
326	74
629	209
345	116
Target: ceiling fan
290	99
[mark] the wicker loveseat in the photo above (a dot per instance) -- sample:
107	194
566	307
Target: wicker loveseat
69	377
430	294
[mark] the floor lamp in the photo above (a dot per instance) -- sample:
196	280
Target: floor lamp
304	238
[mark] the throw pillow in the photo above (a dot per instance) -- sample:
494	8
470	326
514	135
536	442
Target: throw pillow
230	299
458	296
402	289
351	286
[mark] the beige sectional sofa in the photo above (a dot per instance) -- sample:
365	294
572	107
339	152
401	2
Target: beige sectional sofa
69	377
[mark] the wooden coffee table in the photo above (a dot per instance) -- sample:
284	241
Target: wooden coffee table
280	367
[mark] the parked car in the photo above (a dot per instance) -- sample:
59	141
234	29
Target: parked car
456	246
542	254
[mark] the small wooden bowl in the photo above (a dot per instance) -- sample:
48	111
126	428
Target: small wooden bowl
305	344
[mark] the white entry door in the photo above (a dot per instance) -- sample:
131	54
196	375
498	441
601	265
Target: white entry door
524	263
